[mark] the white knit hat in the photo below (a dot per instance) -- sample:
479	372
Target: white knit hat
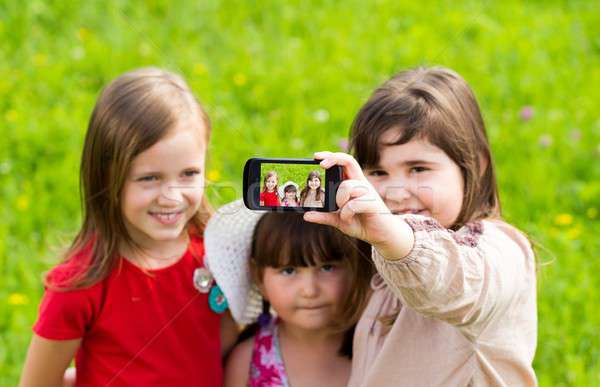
281	188
227	242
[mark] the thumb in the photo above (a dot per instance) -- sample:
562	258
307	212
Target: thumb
326	218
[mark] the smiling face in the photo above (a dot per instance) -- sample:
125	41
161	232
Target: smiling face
417	177
314	183
164	187
271	183
306	298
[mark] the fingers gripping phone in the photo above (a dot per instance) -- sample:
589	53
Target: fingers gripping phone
296	185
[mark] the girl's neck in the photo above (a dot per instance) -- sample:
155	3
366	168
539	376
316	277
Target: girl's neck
151	254
315	338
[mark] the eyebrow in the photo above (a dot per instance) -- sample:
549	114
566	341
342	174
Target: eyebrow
150	172
416	162
408	163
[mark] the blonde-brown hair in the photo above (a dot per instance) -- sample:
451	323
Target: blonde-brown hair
436	104
267	176
132	113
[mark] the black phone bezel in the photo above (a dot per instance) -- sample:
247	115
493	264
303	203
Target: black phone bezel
251	185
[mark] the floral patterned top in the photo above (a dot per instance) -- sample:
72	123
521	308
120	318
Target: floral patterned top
286	203
267	368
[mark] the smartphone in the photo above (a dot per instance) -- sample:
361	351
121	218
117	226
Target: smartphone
295	185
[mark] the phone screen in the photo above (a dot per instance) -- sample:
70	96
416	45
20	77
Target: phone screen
292	185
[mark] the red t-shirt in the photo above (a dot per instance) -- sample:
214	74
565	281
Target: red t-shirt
138	328
269	198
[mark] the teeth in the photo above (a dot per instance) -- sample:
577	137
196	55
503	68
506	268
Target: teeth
166	216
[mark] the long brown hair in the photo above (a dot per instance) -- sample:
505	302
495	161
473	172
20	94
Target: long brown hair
285	239
436	104
306	189
132	113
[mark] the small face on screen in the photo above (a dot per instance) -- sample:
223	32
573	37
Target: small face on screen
292	185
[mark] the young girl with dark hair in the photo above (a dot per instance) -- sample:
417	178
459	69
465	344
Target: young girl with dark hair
309	281
312	195
454	297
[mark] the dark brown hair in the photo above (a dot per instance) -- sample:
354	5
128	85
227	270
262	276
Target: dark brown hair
438	105
285	239
290	188
306	189
132	113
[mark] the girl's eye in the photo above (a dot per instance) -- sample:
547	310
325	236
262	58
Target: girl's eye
191	173
328	268
377	172
287	271
148	178
418	169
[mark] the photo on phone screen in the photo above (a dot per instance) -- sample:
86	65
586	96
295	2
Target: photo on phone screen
290	185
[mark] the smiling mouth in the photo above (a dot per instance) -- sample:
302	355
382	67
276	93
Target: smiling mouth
167	217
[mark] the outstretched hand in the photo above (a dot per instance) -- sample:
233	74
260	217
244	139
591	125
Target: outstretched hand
362	213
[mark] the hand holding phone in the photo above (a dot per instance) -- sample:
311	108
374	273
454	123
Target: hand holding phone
362	212
290	185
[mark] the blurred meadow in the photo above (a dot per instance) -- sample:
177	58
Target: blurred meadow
284	79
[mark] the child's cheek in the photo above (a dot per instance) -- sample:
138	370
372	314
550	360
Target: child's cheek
145	195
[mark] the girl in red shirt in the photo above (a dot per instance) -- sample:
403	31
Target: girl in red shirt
133	301
268	196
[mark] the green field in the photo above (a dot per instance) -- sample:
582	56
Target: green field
284	79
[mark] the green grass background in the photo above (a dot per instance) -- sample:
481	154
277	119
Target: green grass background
284	79
291	172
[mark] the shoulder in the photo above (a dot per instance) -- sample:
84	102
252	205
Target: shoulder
237	366
61	290
473	234
76	264
425	228
495	235
65	313
506	234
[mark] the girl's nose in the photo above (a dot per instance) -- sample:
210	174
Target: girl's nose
310	287
396	193
170	195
